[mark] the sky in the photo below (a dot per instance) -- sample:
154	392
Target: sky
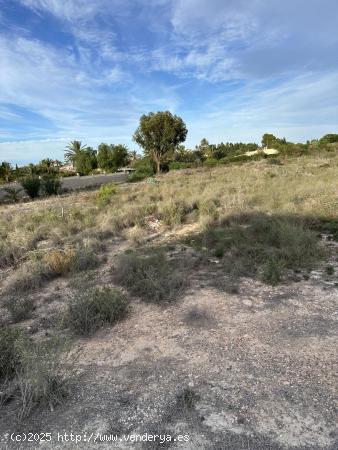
232	69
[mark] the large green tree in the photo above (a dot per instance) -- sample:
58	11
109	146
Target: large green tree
112	157
159	134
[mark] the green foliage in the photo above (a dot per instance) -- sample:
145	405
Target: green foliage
94	308
112	157
153	277
264	246
31	186
329	139
51	185
143	169
105	193
73	149
12	194
159	134
6	172
85	161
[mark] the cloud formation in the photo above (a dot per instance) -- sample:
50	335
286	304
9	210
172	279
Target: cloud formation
233	69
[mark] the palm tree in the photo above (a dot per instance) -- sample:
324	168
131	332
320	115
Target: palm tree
72	151
47	165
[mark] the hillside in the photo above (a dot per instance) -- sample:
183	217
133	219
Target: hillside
202	303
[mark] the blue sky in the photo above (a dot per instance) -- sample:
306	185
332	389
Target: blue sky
233	69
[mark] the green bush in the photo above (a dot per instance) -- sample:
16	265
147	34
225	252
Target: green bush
51	185
105	193
152	277
90	310
264	246
31	186
143	169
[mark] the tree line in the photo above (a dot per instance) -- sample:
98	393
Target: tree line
161	136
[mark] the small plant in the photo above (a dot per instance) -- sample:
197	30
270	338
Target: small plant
187	399
219	252
152	277
43	378
105	193
329	270
12	194
272	271
51	185
9	356
90	310
20	308
60	262
84	259
31	186
172	213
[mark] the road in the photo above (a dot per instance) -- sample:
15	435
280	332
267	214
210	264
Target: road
75	183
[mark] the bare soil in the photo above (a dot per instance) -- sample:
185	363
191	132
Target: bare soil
256	368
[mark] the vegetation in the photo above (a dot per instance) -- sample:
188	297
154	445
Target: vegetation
90	310
159	134
32	186
151	277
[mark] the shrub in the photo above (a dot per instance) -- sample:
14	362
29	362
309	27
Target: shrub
31	186
20	308
97	307
272	271
51	185
263	245
172	213
60	262
144	169
152	277
84	259
9	356
105	193
29	277
177	165
12	194
43	378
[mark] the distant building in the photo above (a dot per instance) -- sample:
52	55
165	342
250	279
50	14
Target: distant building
126	169
67	168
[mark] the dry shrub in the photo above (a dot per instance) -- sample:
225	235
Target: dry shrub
60	262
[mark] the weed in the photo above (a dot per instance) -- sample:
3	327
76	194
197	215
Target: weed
329	270
51	185
152	277
172	213
9	356
59	262
105	194
90	310
20	308
43	377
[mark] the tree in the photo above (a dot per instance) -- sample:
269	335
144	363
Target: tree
6	171
85	160
104	157
72	151
112	157
120	155
47	165
268	140
329	139
159	134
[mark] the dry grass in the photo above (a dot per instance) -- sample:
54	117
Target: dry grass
303	187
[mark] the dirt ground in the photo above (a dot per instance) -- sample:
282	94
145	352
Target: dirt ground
251	369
